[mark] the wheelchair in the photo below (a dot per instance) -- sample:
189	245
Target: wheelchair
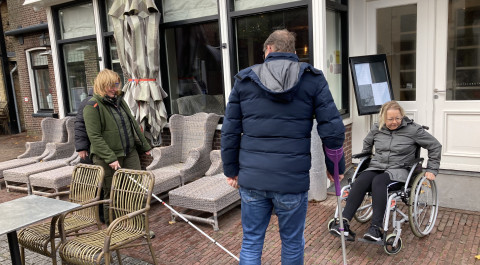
418	194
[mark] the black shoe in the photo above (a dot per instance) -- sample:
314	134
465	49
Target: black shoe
349	234
373	234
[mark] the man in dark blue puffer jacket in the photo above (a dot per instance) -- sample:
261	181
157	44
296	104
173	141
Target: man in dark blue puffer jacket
266	144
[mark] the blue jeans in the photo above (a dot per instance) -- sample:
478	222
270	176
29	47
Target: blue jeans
291	210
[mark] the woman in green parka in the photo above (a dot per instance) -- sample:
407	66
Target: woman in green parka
114	134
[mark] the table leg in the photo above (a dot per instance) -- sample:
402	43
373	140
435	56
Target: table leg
14	249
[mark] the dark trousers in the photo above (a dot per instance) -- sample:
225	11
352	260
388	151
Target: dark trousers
131	161
375	181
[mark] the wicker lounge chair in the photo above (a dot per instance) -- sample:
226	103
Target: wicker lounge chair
129	202
53	131
16	178
208	194
187	157
85	188
19	178
46	182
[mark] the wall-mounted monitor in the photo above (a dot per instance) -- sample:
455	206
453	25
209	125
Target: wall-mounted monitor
371	82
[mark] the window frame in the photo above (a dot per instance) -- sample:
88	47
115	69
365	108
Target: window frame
61	56
33	84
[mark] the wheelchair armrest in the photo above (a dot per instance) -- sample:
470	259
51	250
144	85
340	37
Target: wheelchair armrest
364	154
413	162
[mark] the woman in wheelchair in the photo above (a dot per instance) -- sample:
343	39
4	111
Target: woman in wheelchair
396	139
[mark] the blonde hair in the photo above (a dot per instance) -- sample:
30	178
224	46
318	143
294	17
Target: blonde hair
281	40
105	80
391	105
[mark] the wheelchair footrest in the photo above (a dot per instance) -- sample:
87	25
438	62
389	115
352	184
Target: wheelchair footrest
380	243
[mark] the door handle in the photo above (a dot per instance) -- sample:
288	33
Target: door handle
436	90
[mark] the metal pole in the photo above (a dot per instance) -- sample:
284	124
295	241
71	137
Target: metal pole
190	223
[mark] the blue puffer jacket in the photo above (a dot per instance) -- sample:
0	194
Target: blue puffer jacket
266	129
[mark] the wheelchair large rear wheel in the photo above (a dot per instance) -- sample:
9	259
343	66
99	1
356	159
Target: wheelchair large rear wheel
365	211
423	208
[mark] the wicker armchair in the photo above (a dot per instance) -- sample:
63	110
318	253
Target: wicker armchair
208	194
4	118
129	202
187	157
64	149
85	188
53	131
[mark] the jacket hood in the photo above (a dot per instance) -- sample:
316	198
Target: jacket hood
278	75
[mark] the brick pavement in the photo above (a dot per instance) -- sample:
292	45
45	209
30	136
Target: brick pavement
454	240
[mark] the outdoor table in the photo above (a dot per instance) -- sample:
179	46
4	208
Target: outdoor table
25	211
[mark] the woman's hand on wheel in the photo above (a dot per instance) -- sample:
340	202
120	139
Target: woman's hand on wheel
430	175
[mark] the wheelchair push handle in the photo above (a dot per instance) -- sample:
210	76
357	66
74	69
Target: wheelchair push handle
335	155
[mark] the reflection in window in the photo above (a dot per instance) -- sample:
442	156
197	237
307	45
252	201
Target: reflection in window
333	67
174	10
194	69
397	37
77	21
249	4
463	59
42	80
252	31
81	67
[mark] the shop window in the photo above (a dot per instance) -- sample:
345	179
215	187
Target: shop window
335	64
194	69
40	80
252	31
81	68
77	21
250	4
463	58
78	51
175	10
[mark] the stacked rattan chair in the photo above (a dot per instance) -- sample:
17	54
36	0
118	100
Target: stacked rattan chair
18	178
85	188
208	194
188	155
53	131
129	202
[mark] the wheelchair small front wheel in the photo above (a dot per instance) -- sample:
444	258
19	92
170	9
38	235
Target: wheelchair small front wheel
423	206
331	223
388	245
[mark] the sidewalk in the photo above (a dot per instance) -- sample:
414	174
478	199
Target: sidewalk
454	240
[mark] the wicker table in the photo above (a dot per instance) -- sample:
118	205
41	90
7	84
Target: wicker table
25	211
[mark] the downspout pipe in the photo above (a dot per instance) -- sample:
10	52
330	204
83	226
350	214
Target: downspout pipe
15	98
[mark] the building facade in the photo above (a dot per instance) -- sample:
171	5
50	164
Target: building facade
432	48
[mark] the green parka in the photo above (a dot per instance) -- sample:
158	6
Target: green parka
104	132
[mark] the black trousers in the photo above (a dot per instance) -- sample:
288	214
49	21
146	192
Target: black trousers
375	181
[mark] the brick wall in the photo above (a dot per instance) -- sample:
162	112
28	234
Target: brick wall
21	16
347	147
